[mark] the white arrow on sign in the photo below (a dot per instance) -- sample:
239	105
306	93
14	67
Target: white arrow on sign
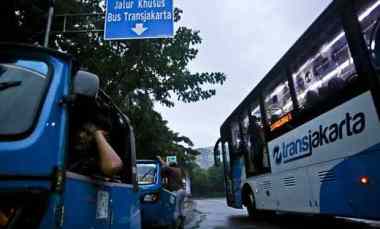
139	29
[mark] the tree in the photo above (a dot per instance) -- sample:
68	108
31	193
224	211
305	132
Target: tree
216	179
136	74
207	183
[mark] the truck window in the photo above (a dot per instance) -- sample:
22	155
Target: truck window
23	84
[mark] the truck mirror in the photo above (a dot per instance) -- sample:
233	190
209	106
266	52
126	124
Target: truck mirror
217	159
86	84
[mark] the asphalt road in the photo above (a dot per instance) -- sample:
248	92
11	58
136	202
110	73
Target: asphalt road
214	214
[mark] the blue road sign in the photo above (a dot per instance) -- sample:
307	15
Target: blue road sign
139	19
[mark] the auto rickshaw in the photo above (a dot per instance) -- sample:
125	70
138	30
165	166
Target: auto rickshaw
158	205
43	97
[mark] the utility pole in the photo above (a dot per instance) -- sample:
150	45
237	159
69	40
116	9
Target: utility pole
49	23
65	20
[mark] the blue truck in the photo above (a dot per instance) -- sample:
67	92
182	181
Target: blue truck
44	97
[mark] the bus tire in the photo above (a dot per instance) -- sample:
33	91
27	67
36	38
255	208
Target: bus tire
250	205
253	212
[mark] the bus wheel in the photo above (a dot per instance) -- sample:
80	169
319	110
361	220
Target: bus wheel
250	204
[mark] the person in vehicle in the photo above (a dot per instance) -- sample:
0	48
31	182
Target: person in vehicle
174	176
89	140
4	218
256	134
336	84
312	98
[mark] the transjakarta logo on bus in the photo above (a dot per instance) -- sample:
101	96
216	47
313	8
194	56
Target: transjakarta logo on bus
324	135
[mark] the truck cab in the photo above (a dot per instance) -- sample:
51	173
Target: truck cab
43	183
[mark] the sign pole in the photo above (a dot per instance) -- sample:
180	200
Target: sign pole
49	22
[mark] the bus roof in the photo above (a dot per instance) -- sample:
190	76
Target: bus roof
297	54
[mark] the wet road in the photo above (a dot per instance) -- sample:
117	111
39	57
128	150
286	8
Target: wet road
214	214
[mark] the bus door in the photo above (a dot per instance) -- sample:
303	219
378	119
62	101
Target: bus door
227	173
256	157
223	146
233	166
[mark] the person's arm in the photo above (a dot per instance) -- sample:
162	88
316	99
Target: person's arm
110	162
162	162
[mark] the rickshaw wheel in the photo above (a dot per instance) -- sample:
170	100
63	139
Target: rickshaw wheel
178	224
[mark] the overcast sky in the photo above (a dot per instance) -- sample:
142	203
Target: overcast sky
243	39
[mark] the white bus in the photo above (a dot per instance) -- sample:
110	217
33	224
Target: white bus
307	138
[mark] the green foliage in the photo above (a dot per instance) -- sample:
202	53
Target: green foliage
136	74
207	183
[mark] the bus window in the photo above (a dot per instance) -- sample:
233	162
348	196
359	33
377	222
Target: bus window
236	138
327	71
257	156
245	143
278	102
369	17
226	157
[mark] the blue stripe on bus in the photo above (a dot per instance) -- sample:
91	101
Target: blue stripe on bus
347	196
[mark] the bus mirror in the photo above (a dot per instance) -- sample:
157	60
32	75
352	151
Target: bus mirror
217	158
86	84
376	45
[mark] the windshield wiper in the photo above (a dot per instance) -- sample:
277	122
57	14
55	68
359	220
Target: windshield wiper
147	173
9	84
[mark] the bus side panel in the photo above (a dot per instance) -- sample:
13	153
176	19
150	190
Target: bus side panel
320	144
338	182
293	191
363	199
330	193
124	207
339	133
288	191
265	195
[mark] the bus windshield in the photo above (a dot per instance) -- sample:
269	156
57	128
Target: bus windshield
146	173
22	86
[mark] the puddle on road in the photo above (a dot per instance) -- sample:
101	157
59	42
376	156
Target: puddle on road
199	217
